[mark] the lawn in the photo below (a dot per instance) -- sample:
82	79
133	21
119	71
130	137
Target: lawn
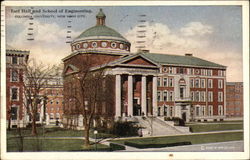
214	127
14	145
38	143
194	139
57	132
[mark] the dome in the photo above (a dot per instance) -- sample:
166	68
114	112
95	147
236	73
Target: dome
100	31
100	38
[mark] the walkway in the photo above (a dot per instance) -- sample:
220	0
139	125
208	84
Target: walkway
231	146
236	146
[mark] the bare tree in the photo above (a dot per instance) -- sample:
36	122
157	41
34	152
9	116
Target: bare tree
34	82
85	94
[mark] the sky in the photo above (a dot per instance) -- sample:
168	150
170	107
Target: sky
213	33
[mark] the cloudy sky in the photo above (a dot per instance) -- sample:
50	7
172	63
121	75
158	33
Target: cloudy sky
213	33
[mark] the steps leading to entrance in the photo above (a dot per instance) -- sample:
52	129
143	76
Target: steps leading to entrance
153	126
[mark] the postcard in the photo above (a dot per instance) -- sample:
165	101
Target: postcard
124	80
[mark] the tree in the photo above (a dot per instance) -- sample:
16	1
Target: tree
36	74
85	93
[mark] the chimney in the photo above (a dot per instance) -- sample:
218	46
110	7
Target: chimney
189	54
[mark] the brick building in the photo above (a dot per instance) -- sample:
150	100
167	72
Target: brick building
51	101
234	99
15	62
54	93
145	83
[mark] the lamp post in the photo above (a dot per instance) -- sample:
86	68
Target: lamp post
95	133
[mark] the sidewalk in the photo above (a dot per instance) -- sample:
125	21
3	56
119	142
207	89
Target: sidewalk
197	147
231	146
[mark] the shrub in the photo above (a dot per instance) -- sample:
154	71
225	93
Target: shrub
115	147
149	145
125	129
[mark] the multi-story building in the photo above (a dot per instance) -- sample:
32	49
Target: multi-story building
147	83
50	108
234	99
54	106
15	99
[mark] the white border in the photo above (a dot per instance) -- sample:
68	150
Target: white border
131	155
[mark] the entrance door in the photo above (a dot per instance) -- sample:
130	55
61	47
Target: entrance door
184	116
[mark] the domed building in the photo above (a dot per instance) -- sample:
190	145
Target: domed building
164	86
101	38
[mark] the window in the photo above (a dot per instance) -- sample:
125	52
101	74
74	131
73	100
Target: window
165	110
197	111
210	83
202	110
197	83
191	71
171	82
113	45
203	83
192	83
14	76
202	96
181	93
197	96
94	44
209	72
197	71
220	110
220	97
165	96
170	96
192	96
57	115
203	72
210	96
51	116
210	110
14	60
158	81
171	112
13	112
14	94
170	70
181	70
165	69
159	96
165	82
220	84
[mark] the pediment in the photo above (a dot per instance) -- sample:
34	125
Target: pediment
138	60
69	69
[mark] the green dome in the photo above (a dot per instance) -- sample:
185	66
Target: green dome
100	30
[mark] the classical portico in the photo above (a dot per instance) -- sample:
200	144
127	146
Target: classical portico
131	101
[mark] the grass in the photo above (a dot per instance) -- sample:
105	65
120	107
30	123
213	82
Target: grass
214	127
194	139
48	132
32	145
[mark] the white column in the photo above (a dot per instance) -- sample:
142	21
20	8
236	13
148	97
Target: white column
154	96
117	95
130	95
143	95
